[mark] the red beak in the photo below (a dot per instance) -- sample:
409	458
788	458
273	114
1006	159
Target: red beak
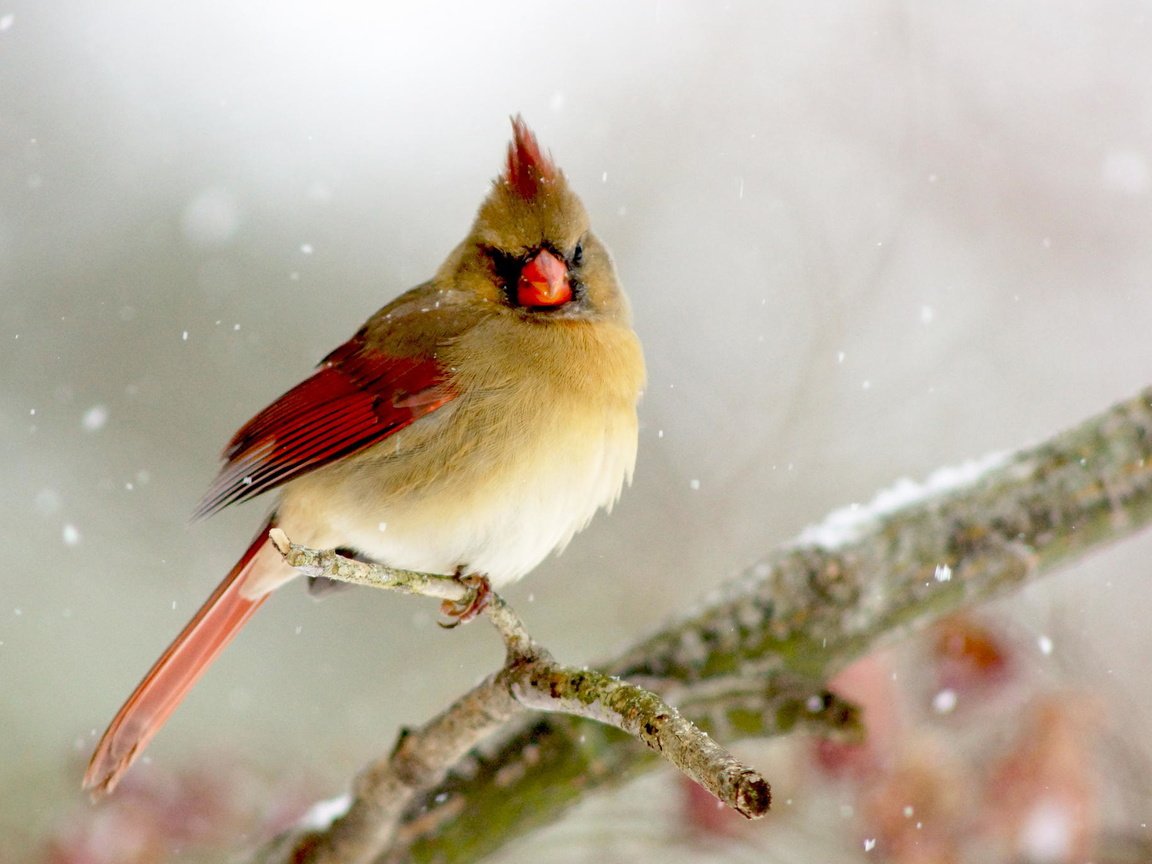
544	281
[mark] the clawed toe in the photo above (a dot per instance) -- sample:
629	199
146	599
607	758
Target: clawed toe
471	604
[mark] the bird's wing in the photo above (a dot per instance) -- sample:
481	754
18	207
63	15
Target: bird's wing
359	395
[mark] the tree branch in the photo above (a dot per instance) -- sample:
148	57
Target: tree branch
865	575
529	680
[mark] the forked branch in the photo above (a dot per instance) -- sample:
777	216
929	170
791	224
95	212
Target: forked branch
530	680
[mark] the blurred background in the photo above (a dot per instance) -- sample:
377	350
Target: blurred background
862	240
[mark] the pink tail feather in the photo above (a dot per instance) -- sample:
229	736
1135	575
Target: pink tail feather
172	676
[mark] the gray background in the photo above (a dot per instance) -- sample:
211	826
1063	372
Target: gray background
862	240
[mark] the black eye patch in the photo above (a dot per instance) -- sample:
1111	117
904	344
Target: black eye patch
507	266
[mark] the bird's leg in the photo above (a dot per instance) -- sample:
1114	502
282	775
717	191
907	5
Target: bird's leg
472	604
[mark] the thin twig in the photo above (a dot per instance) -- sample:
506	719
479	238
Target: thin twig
327	563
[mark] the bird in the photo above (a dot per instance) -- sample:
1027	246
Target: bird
473	425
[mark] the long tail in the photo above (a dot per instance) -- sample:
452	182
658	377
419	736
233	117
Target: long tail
171	677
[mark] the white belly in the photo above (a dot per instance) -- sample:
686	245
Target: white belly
509	523
499	512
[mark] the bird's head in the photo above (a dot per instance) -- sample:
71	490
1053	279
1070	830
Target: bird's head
530	248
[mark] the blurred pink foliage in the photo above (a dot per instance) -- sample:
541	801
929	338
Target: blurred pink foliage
972	754
206	810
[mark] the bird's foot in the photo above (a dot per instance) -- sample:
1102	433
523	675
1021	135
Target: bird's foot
471	604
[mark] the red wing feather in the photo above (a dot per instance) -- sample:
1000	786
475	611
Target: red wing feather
358	397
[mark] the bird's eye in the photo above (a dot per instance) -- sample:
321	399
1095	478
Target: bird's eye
578	255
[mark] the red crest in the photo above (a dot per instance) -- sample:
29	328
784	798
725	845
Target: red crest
528	167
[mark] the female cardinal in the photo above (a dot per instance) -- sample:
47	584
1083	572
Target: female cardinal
472	425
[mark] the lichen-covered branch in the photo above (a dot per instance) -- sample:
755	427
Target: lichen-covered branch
918	552
385	788
328	564
529	680
644	715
